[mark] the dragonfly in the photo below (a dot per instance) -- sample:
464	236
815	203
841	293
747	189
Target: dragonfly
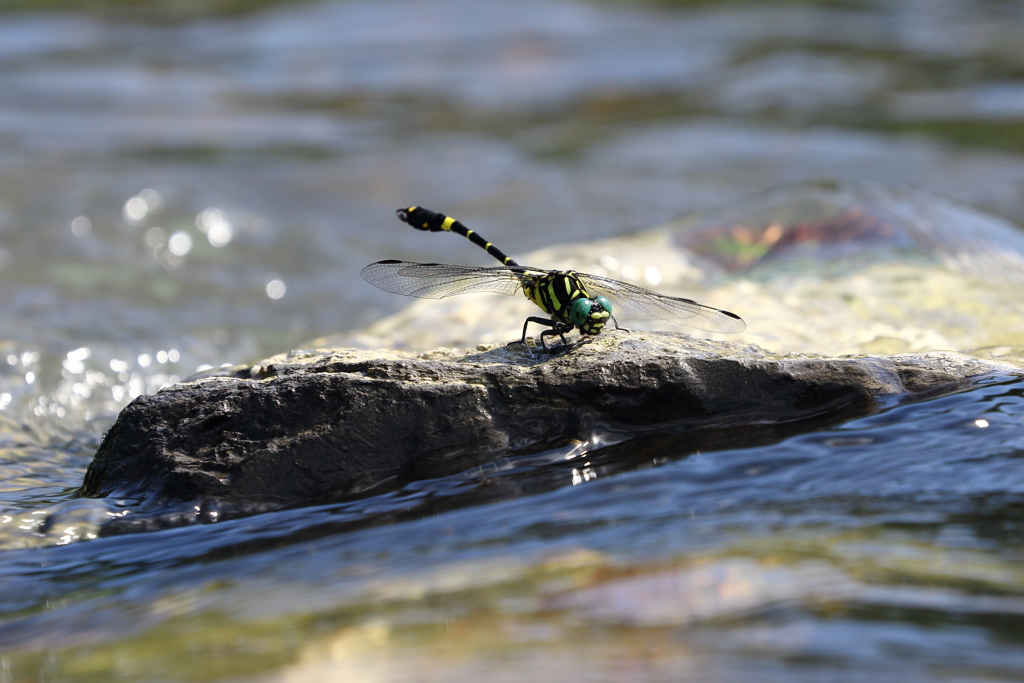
571	299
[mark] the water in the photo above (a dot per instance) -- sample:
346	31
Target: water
192	185
872	547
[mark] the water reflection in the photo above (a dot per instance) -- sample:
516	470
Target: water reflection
180	243
81	226
276	288
135	209
216	225
142	205
86	385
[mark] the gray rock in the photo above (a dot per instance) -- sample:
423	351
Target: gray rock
318	426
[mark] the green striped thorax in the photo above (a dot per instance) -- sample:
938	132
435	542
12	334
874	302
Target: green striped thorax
562	295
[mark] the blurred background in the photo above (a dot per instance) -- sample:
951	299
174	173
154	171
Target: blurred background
185	184
190	183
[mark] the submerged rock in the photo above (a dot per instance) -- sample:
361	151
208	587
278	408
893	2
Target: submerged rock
318	426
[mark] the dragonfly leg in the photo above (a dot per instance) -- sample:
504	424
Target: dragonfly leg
558	328
539	321
617	324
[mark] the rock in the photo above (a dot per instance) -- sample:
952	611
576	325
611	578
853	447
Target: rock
316	426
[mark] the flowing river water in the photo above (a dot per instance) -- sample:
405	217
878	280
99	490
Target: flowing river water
186	185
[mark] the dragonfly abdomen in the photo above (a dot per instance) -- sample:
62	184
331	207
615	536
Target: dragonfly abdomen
425	219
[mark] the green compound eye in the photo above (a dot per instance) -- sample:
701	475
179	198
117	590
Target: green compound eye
605	304
580	311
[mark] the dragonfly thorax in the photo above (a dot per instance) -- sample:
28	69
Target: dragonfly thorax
562	295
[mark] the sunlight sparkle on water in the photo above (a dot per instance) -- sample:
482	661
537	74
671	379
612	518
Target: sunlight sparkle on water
74	362
141	205
981	423
162	356
135	209
276	288
215	224
81	226
180	243
583	474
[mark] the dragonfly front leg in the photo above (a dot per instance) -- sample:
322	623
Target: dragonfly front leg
623	329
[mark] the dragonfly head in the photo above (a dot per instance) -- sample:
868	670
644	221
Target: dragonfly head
590	315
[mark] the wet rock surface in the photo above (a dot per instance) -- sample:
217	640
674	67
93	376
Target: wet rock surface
326	425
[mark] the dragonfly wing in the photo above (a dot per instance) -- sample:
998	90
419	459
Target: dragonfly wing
438	280
630	301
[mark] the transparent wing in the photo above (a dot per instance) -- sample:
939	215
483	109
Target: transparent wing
630	301
438	280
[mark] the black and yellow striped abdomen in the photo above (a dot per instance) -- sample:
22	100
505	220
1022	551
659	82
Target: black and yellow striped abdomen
425	219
